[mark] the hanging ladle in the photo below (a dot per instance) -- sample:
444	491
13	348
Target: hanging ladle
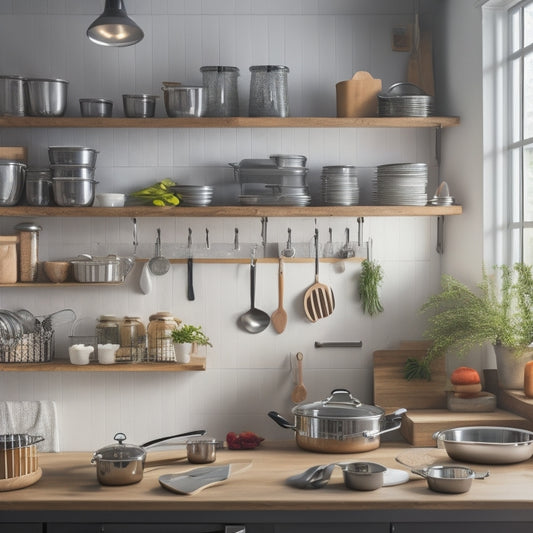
158	265
254	320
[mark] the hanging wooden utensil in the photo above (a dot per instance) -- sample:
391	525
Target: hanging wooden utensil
319	301
299	394
279	316
414	74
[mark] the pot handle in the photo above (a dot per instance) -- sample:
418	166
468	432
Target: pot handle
198	432
280	421
392	422
342	396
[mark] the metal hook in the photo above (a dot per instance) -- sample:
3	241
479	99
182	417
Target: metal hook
236	245
207	238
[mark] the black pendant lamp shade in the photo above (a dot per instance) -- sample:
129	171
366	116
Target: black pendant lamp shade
113	27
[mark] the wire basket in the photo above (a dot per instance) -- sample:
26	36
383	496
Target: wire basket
37	346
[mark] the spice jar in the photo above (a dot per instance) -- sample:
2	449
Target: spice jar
222	93
28	256
528	379
107	330
132	339
268	91
160	345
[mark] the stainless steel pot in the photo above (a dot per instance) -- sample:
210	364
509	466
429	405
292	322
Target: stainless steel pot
46	97
72	155
486	444
12	178
339	424
184	101
12	96
123	464
110	269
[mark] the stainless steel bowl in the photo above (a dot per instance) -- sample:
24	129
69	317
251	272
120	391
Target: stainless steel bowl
201	450
139	105
73	192
486	444
184	101
12	178
72	155
363	475
46	97
72	171
96	107
12	96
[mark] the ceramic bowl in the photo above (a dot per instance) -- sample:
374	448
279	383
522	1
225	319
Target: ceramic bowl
57	271
108	199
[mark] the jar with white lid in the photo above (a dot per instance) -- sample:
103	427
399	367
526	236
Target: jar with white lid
160	344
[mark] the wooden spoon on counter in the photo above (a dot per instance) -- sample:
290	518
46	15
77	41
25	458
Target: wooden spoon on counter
279	316
299	394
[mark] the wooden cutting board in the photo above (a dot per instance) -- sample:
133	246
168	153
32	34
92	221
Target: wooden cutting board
14	153
392	390
418	426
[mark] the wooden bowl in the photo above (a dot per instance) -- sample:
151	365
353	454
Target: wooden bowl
57	271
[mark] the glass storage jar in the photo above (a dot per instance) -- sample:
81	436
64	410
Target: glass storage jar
38	186
160	345
132	340
220	83
28	254
107	331
269	91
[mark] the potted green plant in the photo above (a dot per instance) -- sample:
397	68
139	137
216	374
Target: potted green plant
499	312
186	338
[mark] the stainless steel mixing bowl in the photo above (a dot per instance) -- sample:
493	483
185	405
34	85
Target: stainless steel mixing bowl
139	105
184	101
96	107
72	155
12	177
73	192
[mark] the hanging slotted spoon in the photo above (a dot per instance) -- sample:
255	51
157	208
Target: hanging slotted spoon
158	265
319	301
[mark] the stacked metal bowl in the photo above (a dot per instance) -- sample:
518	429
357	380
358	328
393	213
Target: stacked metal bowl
405	100
194	195
73	182
340	185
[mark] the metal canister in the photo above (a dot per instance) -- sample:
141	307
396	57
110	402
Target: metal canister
28	256
38	186
160	345
269	91
132	340
222	98
107	329
12	96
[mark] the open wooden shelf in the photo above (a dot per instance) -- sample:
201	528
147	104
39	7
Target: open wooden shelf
229	122
233	211
196	364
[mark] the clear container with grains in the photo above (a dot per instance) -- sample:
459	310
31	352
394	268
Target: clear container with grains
132	340
28	254
220	83
160	345
269	91
107	329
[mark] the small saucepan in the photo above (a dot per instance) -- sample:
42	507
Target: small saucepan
123	464
453	479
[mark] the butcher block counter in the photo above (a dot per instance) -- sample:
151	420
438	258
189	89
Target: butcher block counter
258	496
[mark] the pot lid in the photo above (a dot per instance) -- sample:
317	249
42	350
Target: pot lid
28	226
339	404
120	451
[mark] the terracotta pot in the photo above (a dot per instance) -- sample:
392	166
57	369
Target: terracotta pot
510	367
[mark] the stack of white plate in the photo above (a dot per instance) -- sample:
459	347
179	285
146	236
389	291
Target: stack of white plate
402	184
194	195
340	185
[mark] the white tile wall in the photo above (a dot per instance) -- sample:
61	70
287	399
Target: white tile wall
247	375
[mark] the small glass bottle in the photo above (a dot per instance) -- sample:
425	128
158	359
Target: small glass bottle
269	91
107	331
222	94
160	345
132	340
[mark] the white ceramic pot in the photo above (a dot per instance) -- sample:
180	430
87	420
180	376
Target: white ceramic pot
510	367
80	354
183	352
106	353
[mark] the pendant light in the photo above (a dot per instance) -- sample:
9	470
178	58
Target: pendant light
113	27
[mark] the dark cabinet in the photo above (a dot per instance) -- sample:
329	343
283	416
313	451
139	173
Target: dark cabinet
462	527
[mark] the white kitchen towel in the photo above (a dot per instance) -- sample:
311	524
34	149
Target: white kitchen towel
32	417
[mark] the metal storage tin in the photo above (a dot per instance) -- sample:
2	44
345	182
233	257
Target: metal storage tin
12	96
269	91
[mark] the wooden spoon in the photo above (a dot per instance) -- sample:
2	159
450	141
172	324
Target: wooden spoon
279	316
299	394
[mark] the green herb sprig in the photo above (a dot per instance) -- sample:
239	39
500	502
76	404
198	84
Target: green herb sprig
369	282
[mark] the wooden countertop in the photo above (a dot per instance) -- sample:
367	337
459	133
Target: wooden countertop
69	484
